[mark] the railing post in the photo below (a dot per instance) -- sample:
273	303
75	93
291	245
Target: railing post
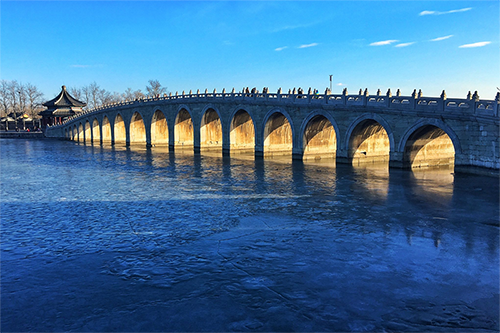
495	106
327	95
365	97
414	99
475	100
344	96
389	96
442	101
278	94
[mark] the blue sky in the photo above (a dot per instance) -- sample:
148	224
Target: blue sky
428	45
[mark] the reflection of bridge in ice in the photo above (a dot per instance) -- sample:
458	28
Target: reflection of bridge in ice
401	130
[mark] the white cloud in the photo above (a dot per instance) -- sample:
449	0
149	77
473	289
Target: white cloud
384	42
478	44
307	45
441	38
404	44
340	84
432	12
280	48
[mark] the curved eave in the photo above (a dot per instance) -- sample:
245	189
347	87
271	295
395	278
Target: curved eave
64	99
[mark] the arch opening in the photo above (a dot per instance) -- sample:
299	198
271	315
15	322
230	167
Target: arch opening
88	134
369	143
320	140
183	129
137	129
80	132
159	129
96	132
428	146
119	129
74	133
242	133
278	137
211	130
106	130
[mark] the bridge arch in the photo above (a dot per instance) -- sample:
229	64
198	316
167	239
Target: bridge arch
241	130
277	133
159	128
81	136
74	133
319	135
183	128
106	130
120	131
88	131
210	128
137	128
96	132
369	139
429	142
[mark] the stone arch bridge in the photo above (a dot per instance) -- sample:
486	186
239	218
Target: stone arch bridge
404	131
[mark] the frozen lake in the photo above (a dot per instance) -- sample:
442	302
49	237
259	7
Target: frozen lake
102	239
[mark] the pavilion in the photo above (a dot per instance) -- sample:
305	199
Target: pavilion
60	108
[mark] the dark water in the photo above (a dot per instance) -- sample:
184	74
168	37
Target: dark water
128	239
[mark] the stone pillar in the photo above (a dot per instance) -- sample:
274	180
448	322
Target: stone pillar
226	144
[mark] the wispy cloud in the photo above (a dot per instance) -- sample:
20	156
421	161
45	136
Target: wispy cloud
307	45
441	38
340	84
384	42
478	44
280	48
432	12
404	44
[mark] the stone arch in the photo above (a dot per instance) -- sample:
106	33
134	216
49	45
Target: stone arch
429	142
159	128
137	129
241	131
277	133
319	136
106	130
80	132
120	131
88	131
369	139
210	128
183	129
96	132
74	133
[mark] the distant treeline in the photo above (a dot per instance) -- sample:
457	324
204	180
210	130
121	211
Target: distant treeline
17	99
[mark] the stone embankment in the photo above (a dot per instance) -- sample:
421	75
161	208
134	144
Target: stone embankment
21	135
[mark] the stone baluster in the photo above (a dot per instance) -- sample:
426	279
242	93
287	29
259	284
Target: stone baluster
278	93
398	93
469	96
379	93
327	95
475	100
365	97
442	101
389	97
413	99
344	96
496	104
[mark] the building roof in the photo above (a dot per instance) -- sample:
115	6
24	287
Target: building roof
64	99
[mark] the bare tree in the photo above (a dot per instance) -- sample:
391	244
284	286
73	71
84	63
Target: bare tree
130	95
34	99
76	93
154	88
5	102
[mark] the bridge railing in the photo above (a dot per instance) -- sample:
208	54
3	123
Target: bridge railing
471	105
